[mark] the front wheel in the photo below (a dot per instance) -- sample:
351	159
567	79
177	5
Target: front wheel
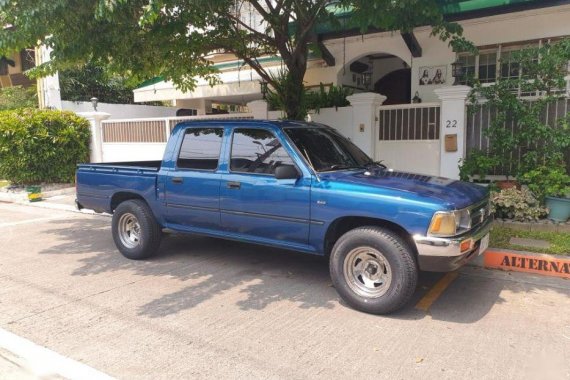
373	270
136	233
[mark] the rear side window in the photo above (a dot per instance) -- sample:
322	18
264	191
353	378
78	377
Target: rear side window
257	151
200	148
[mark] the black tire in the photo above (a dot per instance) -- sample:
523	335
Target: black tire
375	294
145	242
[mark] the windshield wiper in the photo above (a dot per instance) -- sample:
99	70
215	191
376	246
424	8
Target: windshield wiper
341	167
375	164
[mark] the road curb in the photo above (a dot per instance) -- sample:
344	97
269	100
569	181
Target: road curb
526	262
50	206
23	196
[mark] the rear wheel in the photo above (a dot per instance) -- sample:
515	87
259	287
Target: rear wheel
136	233
373	270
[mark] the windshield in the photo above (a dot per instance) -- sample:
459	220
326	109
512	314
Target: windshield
327	150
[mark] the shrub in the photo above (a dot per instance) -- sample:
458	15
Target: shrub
517	204
547	181
543	72
336	96
16	97
41	145
479	164
309	100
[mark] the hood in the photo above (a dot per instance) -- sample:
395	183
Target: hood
451	193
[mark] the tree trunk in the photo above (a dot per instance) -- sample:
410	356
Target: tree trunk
294	95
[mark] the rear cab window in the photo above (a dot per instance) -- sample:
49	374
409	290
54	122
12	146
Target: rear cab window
200	149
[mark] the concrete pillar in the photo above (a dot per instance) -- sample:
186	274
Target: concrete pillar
49	94
259	109
96	145
453	119
364	120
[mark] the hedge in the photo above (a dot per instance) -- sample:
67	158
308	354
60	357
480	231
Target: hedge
42	146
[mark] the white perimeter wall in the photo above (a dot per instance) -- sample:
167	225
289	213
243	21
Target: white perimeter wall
340	119
413	156
123	152
121	111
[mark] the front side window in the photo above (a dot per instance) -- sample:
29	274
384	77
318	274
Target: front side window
257	151
200	148
326	150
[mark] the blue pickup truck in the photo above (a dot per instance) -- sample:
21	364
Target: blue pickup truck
299	186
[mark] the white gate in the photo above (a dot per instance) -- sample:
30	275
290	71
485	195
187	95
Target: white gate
408	137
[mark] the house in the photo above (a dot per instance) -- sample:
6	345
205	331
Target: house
12	69
406	110
398	66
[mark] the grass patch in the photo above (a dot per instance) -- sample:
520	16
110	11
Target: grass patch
559	241
3	183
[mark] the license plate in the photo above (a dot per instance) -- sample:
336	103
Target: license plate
484	244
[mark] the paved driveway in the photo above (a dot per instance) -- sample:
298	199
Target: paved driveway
213	308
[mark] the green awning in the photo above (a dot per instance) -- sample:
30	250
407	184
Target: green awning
452	7
448	8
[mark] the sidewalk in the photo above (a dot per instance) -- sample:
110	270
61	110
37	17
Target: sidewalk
12	367
21	359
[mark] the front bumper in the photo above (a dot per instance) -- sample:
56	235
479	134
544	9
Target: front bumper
444	254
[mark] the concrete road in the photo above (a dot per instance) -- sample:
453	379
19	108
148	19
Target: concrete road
210	308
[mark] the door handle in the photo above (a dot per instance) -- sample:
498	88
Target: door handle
177	180
233	185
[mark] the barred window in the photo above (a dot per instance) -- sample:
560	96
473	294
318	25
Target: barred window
498	62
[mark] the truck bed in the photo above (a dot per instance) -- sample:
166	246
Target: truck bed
97	183
146	165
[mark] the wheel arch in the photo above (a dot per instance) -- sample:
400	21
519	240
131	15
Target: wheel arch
123	196
342	225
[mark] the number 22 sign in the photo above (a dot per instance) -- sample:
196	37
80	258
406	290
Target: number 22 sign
451	124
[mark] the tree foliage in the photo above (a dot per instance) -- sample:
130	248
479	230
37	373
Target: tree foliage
173	38
85	82
523	101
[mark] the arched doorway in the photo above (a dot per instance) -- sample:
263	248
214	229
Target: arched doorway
396	86
382	73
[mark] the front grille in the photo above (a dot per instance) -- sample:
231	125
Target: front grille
479	213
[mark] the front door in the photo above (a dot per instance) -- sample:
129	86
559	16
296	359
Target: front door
256	204
193	187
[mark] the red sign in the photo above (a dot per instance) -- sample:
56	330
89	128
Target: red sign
529	263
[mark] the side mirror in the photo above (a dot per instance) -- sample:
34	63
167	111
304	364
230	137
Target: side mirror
286	172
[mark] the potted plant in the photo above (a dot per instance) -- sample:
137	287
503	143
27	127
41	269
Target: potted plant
552	186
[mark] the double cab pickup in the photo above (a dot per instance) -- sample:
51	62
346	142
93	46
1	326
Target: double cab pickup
300	186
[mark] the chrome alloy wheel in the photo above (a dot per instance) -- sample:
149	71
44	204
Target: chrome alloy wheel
129	230
367	272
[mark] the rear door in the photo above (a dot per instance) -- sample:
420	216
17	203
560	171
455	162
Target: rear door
193	187
256	204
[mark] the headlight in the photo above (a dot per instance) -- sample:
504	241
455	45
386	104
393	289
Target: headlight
449	223
443	224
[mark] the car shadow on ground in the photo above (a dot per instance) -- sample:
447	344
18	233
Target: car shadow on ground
262	275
